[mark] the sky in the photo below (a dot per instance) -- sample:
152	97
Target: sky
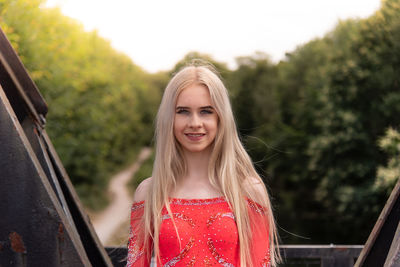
156	34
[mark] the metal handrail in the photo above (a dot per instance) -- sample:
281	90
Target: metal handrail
307	255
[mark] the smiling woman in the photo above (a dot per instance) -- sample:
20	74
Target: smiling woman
196	122
205	204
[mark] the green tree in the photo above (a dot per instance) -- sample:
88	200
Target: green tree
388	175
100	102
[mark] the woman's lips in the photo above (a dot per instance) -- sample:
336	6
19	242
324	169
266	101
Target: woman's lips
194	136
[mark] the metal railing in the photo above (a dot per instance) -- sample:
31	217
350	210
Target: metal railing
293	255
320	255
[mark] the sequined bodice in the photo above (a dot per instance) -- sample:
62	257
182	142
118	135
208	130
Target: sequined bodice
207	232
206	235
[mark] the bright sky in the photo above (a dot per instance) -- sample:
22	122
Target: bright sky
158	33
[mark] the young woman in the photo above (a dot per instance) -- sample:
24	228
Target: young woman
205	205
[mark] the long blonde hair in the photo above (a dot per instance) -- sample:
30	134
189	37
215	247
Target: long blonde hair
230	167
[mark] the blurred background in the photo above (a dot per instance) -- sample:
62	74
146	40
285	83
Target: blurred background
314	87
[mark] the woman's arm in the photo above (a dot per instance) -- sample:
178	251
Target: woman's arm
260	235
138	255
259	223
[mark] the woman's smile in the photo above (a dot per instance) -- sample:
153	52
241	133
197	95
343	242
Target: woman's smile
194	136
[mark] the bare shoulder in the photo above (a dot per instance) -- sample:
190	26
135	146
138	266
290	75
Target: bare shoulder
142	190
255	187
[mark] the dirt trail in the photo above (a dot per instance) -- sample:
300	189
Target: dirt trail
108	222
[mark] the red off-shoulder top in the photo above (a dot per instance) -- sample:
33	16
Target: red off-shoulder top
207	233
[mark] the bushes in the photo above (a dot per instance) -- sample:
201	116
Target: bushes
99	100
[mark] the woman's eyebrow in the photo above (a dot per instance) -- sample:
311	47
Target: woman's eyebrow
207	107
204	107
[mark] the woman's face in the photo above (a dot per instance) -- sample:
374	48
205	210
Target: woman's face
196	121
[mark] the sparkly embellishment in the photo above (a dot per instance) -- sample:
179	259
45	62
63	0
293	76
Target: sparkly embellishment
218	257
191	262
197	202
266	261
137	206
255	206
216	216
134	251
207	262
179	216
211	241
182	254
133	256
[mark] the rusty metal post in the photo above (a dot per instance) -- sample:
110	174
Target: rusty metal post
33	228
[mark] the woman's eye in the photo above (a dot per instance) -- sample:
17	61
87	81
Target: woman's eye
206	111
182	111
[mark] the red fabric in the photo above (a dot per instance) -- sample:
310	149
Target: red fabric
207	233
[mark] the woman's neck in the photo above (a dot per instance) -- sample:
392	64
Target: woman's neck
195	184
197	165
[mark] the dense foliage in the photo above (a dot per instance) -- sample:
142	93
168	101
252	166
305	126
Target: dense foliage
322	125
313	123
101	105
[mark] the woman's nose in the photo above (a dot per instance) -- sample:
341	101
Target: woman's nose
195	121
